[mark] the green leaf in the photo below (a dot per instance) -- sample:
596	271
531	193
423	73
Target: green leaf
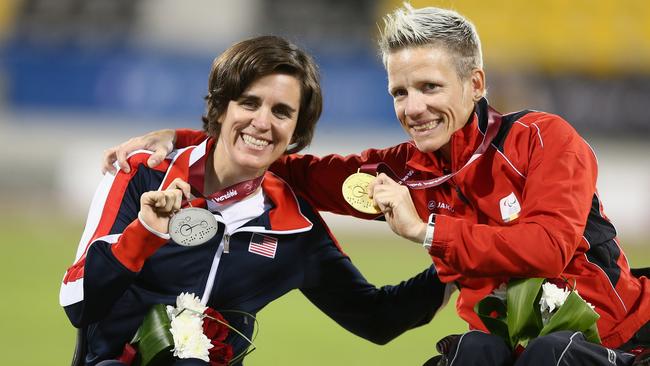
496	326
136	337
574	315
489	305
155	341
523	316
591	334
485	308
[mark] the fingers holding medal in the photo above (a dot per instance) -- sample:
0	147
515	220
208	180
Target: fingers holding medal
162	212
182	186
356	192
190	226
384	192
394	200
156	207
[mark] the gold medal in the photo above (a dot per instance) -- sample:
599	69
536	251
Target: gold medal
355	192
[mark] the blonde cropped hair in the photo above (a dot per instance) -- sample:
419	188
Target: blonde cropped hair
409	27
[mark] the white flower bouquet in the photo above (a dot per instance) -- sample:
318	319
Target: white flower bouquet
187	330
534	307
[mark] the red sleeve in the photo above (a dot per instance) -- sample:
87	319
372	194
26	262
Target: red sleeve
135	245
556	199
186	137
319	179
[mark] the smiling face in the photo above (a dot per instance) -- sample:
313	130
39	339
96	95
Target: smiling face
431	101
257	127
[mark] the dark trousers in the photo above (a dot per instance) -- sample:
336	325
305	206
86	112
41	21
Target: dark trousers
556	349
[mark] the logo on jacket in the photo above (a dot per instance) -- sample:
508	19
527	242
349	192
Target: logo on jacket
611	356
432	205
263	245
510	207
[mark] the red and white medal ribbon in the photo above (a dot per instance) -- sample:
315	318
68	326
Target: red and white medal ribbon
493	126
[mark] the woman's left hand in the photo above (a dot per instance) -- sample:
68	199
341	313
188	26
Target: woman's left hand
394	201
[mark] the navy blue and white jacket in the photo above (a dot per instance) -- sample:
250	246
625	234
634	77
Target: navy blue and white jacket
122	268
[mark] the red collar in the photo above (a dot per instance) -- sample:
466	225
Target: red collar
285	215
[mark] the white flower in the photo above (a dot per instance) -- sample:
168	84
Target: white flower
188	343
552	297
171	312
187	328
187	320
198	347
189	301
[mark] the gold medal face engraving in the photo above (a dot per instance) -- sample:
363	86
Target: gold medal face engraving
355	192
192	226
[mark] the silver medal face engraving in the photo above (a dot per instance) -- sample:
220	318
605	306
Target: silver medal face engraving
192	226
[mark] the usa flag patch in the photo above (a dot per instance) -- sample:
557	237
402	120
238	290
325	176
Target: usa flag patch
263	245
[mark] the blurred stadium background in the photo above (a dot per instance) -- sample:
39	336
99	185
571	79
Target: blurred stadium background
78	76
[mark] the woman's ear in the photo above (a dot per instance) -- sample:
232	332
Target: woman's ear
478	84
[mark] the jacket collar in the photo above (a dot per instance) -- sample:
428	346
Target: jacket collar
283	215
463	144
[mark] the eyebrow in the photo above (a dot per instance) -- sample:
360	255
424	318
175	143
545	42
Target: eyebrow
393	89
258	99
287	107
245	96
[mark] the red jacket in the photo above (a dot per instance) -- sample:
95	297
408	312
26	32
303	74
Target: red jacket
528	207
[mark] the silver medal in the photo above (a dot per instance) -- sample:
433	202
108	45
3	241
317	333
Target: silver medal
192	226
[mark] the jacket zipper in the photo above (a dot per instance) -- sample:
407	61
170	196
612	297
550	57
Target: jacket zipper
226	243
462	196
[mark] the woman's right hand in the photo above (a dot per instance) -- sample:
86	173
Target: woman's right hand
157	207
161	142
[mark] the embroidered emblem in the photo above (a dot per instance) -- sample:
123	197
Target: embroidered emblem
431	205
510	208
263	245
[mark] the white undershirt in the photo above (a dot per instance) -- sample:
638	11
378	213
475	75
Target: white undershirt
238	213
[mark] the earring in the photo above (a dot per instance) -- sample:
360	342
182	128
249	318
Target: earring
291	146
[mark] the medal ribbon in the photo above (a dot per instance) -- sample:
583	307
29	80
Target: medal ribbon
228	195
493	126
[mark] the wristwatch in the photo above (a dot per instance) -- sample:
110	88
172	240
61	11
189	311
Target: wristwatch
428	237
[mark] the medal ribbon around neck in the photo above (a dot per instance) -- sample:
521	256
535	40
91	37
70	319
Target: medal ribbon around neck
222	197
354	188
195	225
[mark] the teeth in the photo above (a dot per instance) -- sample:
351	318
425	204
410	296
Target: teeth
426	126
253	142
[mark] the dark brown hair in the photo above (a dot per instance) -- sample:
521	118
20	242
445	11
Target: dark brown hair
240	65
